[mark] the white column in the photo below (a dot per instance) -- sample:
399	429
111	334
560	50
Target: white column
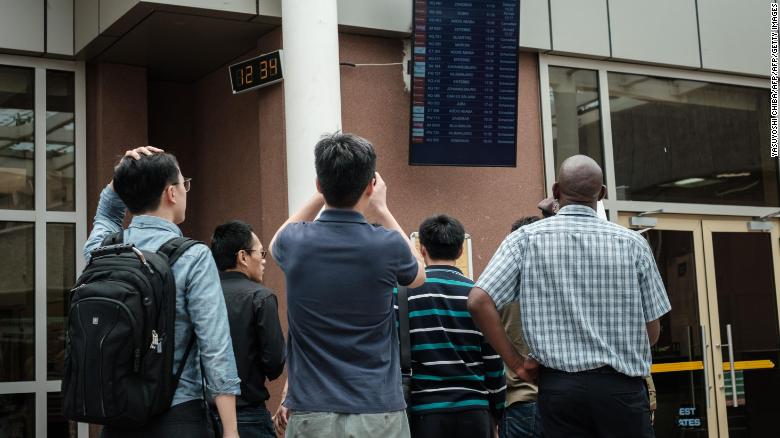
312	92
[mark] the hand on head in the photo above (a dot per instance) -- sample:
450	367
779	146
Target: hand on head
143	150
136	154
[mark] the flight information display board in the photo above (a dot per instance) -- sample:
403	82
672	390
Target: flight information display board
464	83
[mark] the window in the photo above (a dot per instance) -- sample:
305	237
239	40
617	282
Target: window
17	144
576	114
60	141
42	226
682	141
17	302
691	141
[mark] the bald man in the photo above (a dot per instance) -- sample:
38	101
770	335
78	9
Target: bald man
590	296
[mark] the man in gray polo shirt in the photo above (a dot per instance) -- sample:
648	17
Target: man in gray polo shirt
343	362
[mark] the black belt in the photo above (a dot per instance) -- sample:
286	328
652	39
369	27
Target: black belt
600	370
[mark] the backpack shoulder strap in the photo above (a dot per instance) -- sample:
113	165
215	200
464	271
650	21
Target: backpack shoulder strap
180	369
403	329
114	238
174	248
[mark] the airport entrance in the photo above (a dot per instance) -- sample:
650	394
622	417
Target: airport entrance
715	365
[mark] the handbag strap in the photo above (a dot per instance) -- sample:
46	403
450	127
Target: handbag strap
403	330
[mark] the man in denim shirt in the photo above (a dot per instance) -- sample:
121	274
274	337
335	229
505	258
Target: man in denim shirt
149	183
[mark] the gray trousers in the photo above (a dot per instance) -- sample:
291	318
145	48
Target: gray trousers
304	424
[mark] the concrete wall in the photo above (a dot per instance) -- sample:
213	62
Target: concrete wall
59	27
718	35
662	31
117	119
22	25
37	27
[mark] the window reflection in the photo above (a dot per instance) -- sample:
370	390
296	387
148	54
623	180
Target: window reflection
17	415
60	141
689	141
17	301
576	114
17	138
60	276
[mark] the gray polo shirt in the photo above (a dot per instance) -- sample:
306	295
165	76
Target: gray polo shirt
342	343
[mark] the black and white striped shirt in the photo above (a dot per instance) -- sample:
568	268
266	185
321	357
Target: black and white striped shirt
454	368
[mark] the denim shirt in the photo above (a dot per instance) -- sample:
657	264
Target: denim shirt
200	305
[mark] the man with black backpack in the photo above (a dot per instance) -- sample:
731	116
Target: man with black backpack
148	314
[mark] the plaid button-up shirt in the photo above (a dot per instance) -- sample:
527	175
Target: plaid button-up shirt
586	288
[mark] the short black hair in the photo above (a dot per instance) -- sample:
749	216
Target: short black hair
442	236
345	165
141	182
228	239
523	221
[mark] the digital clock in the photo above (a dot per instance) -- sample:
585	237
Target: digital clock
256	72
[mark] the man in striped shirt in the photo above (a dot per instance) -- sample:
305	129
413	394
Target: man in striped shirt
458	379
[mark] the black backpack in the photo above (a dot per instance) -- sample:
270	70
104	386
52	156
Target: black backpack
119	340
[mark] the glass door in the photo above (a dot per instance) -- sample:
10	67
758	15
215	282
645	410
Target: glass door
682	370
742	277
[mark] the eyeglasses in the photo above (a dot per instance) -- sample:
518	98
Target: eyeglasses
263	252
187	184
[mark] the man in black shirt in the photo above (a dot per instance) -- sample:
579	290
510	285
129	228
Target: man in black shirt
258	342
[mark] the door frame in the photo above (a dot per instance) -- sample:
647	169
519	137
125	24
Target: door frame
702	227
693	224
730	225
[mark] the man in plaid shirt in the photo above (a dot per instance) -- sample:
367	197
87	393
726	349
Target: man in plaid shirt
590	297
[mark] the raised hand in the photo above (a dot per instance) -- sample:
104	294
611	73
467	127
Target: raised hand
143	150
378	202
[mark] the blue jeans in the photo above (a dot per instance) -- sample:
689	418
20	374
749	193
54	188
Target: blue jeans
253	422
521	420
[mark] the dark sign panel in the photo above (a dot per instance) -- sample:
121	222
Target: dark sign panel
464	82
256	72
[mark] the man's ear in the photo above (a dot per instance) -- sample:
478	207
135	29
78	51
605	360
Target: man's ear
423	251
556	189
317	183
602	192
460	252
169	195
370	188
241	258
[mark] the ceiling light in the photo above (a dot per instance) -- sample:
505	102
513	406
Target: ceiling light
733	175
688	182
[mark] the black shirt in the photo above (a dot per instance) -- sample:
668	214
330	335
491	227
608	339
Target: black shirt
258	342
